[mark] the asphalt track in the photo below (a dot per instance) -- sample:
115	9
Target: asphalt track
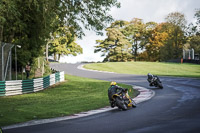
174	109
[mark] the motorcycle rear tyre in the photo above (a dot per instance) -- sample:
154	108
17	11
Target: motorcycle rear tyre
120	104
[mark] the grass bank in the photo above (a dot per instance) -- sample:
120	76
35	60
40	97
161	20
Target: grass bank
75	95
142	68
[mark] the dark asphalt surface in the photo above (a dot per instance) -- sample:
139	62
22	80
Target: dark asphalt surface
174	109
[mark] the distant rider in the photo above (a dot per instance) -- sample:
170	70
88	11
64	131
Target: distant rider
113	89
151	78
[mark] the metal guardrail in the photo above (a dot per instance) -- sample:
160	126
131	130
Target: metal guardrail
191	61
16	87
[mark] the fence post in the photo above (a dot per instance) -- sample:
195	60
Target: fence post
2	51
2	88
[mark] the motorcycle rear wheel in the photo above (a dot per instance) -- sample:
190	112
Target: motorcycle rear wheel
120	104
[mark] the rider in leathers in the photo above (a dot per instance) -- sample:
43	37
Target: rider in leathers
151	79
113	89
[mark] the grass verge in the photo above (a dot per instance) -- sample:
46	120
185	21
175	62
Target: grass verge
142	68
73	96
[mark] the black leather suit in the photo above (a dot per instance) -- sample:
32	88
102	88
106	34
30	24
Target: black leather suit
113	90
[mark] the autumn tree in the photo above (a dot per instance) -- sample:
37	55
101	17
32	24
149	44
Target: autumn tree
177	26
156	41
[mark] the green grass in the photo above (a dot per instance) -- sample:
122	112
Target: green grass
142	68
75	95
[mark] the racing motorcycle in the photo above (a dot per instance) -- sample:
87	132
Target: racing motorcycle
154	81
122	100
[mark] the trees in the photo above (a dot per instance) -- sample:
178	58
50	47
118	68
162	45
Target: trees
30	23
167	50
177	26
195	44
62	42
115	47
194	34
197	16
156	41
134	31
129	38
167	39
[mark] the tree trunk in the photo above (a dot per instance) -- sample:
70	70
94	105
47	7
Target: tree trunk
135	50
59	57
55	57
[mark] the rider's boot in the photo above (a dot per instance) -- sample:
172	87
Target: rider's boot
112	104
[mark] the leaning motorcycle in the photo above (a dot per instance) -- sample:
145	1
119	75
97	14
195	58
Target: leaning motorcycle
122	100
155	81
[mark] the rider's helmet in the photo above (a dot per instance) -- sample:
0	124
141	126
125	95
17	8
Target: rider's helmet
150	76
113	83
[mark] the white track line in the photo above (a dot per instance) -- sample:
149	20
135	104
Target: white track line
81	68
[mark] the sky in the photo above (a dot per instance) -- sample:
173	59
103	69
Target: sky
147	10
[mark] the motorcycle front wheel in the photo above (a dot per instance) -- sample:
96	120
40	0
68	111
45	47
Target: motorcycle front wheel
133	104
160	85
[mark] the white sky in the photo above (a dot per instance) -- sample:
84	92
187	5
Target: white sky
148	10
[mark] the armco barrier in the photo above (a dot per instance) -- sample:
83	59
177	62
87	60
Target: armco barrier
16	87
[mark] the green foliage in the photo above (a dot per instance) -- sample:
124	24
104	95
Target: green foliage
125	39
39	65
30	23
27	24
149	41
115	47
195	44
177	38
194	34
197	16
134	32
63	43
93	14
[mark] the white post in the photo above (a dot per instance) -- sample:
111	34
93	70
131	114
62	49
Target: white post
183	54
10	74
42	68
38	62
16	62
192	53
16	59
47	52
